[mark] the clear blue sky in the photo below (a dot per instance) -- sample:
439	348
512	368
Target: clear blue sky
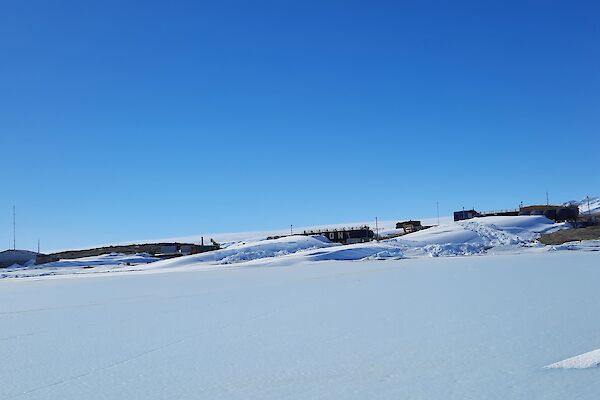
129	120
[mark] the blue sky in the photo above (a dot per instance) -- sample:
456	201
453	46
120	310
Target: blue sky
132	120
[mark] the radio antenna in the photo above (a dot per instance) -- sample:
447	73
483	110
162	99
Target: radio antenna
14	228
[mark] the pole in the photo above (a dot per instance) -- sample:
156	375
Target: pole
38	246
437	206
376	230
547	202
291	230
589	209
14	228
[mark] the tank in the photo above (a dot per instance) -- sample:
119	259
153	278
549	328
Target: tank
550	214
567	213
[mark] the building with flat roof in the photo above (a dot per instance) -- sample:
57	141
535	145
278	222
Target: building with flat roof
465	214
352	235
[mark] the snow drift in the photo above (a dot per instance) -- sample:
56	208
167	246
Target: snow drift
477	235
261	249
84	265
587	360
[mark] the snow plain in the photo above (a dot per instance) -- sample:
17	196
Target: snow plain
447	327
475	309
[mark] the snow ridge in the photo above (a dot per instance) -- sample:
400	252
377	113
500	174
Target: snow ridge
586	360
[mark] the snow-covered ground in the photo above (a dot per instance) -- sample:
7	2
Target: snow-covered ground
98	264
477	236
461	327
472	309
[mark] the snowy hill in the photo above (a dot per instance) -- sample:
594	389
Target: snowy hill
486	235
477	236
387	228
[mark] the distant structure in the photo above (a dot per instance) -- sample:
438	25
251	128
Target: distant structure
465	214
553	212
409	226
160	250
20	258
500	213
352	235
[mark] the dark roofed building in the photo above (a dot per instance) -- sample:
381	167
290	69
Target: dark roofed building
345	235
465	214
409	226
553	212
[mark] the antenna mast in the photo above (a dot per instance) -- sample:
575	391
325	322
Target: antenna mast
14	228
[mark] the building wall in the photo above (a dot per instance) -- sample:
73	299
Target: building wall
345	235
466	214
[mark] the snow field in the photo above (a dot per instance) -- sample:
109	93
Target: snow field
451	328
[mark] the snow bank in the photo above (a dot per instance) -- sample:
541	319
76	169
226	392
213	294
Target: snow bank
261	249
361	251
103	260
587	360
476	235
583	245
103	263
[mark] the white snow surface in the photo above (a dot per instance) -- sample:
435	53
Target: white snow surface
422	328
241	252
587	360
582	245
477	235
103	263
